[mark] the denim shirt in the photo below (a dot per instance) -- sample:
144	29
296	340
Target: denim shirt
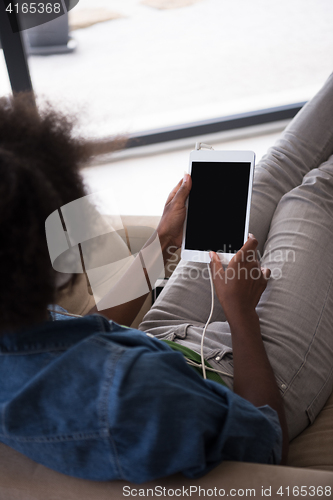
91	399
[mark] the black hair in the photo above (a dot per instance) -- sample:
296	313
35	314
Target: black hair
39	172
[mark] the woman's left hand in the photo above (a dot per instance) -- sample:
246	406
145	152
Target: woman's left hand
170	228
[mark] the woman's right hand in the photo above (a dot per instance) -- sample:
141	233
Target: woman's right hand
239	289
240	286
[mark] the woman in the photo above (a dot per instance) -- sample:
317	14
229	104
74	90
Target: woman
95	400
291	217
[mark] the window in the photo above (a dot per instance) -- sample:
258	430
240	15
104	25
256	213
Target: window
145	64
150	67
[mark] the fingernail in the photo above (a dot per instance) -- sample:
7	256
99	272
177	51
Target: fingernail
251	236
185	177
266	271
211	255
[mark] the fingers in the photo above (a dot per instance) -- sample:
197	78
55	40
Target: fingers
184	189
173	192
215	265
266	272
250	245
248	250
248	253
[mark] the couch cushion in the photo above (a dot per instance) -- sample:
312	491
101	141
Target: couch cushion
313	448
23	479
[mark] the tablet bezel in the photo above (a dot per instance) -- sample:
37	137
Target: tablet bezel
219	156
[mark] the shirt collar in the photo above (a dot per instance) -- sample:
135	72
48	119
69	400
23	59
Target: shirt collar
52	335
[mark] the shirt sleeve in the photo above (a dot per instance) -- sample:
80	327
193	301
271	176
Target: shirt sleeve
164	418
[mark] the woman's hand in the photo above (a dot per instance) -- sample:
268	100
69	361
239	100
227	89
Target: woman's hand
241	285
170	228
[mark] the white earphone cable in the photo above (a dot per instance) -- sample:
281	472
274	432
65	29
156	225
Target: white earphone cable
208	321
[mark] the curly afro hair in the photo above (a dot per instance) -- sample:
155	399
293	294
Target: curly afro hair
39	171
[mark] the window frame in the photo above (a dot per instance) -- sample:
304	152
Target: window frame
15	55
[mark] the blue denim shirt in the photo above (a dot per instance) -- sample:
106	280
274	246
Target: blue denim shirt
91	399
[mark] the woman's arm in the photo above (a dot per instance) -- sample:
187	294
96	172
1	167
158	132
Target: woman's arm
136	282
239	288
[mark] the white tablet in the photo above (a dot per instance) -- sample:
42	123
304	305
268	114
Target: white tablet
218	207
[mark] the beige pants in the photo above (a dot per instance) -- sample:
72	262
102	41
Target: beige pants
292	218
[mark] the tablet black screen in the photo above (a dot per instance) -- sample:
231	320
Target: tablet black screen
217	206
